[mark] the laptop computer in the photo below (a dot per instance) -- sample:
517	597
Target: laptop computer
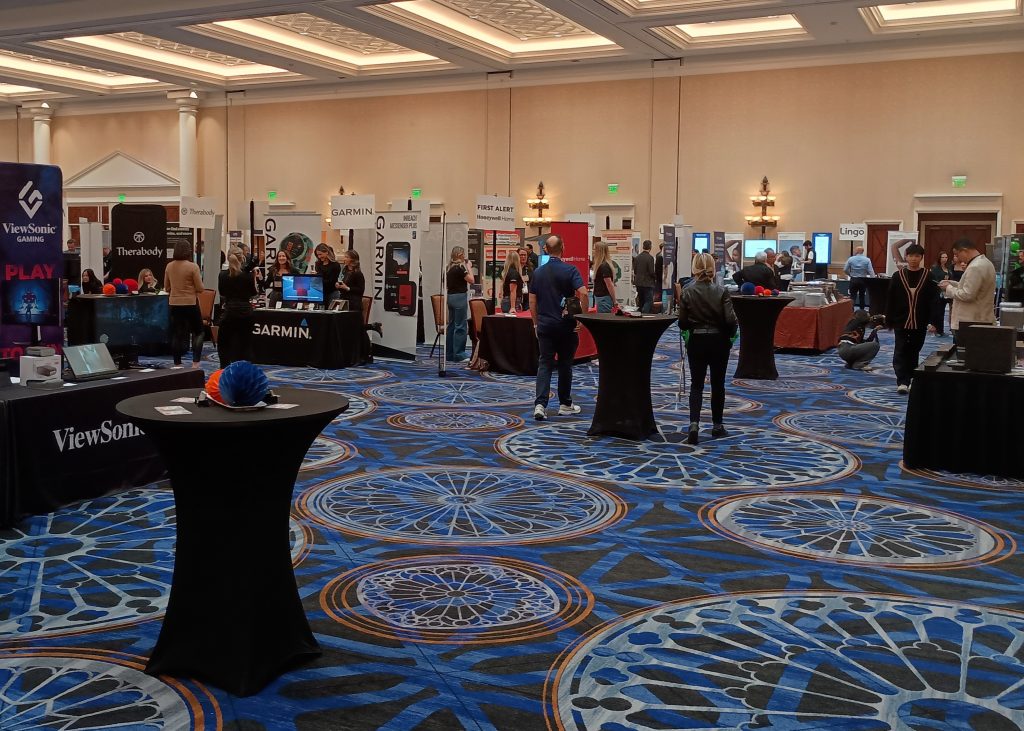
90	362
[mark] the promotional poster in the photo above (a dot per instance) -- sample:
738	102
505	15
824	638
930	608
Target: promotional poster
298	234
718	249
668	269
396	256
576	244
138	240
31	262
789	239
896	249
733	253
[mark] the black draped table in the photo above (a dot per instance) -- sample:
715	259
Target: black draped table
234	618
313	338
509	345
757	317
625	350
986	405
878	294
59	447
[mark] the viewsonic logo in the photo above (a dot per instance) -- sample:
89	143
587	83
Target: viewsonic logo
30	202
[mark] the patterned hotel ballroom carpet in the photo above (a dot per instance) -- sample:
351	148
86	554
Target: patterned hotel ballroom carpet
464	567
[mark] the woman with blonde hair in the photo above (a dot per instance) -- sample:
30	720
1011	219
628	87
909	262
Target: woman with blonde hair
147	282
511	282
708	322
604	278
237	288
457	280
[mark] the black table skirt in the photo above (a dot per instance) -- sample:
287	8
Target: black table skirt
878	294
509	345
306	338
944	402
757	317
234	617
625	349
59	447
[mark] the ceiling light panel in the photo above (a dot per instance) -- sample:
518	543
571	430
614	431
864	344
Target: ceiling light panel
936	14
9	89
324	30
635	8
741	32
72	74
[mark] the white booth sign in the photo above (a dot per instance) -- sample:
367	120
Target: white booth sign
352	211
495	213
198	212
853	232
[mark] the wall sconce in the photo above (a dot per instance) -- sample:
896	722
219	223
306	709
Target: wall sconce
763	200
538	206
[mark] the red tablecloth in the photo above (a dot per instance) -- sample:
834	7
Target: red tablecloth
812	328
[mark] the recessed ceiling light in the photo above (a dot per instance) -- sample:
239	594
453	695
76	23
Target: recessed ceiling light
744	26
944	8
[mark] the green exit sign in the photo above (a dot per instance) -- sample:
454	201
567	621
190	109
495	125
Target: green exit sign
121	197
613	188
271	195
959	181
417	192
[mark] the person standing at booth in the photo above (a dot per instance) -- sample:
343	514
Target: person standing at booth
858	268
554	286
604	279
975	294
457	281
352	284
810	272
940	272
709	323
908	312
643	277
330	270
512	283
183	282
237	288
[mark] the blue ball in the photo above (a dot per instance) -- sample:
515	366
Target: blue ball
747	288
121	288
243	384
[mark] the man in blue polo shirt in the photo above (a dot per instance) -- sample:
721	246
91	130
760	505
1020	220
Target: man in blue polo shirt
552	283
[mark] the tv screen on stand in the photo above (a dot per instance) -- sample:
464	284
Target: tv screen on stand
302	288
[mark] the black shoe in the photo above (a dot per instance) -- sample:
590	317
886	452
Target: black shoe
692	437
377	329
719	430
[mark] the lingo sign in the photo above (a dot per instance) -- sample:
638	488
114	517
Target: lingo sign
853	232
352	211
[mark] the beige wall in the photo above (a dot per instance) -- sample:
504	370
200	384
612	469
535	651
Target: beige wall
839	143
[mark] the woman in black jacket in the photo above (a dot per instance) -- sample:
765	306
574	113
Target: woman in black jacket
237	288
330	270
708	322
352	284
939	272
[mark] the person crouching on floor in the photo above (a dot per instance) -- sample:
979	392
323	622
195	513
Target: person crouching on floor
857	348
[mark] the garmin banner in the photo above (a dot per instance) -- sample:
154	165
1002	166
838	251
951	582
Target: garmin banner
31	262
395	276
297	234
138	240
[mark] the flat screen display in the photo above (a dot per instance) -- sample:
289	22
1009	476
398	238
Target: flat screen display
701	242
128	321
302	288
89	361
822	247
31	302
544	259
752	246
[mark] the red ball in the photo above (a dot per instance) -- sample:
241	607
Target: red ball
132	285
109	289
118	280
759	290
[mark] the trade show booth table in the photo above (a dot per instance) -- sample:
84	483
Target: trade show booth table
509	345
234	618
318	339
878	294
987	405
757	317
812	328
140	322
625	347
59	447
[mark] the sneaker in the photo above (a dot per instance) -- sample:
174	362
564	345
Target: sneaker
719	430
569	409
903	388
539	413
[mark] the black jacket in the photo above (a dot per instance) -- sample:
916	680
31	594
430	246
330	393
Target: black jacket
897	310
704	305
643	270
757	274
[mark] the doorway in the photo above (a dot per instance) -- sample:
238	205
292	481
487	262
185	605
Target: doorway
938	232
878	244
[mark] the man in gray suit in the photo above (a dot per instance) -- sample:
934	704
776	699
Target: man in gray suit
643	277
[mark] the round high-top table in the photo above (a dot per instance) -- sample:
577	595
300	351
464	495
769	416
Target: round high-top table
757	317
625	350
234	618
878	294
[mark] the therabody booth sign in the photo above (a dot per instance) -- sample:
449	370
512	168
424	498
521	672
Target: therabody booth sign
138	240
31	263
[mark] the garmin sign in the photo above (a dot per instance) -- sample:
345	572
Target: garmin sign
352	211
198	212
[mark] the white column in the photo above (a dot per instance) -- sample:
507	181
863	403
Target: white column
41	115
188	154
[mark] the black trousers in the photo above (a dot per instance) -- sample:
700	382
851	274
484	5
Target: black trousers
186	324
234	336
706	351
939	313
858	292
906	355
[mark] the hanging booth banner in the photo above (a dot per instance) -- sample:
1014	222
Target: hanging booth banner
198	212
352	212
733	254
138	240
396	266
588	218
298	234
718	249
31	262
575	241
669	263
896	248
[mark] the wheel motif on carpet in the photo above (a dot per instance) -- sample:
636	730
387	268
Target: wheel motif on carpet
866	428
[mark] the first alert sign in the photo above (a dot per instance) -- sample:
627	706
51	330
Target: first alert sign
495	213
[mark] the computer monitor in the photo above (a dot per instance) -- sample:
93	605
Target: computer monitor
302	288
701	242
90	362
30	302
132	322
752	246
822	247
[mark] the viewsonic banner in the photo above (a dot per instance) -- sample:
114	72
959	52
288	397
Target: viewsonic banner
576	243
297	234
138	240
31	263
395	276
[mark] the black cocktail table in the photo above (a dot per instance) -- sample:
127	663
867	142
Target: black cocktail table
234	618
757	317
625	349
878	294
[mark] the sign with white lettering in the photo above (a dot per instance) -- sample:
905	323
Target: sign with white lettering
853	232
352	211
495	212
198	212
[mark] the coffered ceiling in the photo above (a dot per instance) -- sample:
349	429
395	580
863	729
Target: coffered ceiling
77	51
